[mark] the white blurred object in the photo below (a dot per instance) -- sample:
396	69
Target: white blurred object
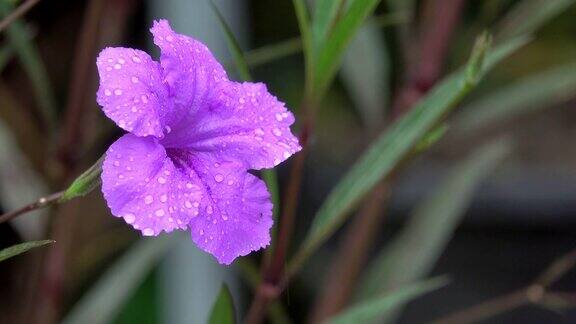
20	185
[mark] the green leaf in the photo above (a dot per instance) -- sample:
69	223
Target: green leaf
416	249
330	54
394	145
85	183
102	303
233	46
20	40
325	14
306	36
527	16
14	250
537	91
379	306
223	309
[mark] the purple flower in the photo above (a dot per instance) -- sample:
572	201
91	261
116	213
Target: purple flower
193	136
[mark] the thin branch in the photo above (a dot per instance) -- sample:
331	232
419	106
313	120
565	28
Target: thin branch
20	11
536	293
38	204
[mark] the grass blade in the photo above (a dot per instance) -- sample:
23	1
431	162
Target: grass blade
102	303
330	53
223	309
529	15
325	15
394	145
537	91
17	249
368	310
306	36
414	252
29	57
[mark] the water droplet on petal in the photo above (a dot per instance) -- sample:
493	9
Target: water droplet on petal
136	59
163	198
159	212
148	232
116	163
148	199
108	92
118	92
218	177
277	132
259	131
187	204
117	66
209	210
161	180
279	117
129	218
134	79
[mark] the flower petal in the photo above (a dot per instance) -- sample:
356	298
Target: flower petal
142	185
236	216
244	123
190	69
131	91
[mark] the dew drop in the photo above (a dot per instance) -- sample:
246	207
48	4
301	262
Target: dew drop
129	218
163	198
161	180
118	92
259	131
148	199
209	210
159	212
168	129
286	154
224	217
116	163
108	92
117	66
121	61
218	177
188	204
276	132
279	117
144	98
148	232
136	59
134	79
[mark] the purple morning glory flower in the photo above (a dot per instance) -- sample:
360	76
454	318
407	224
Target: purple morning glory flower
193	136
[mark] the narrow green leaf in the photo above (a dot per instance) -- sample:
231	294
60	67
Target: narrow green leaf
102	303
14	250
29	57
85	183
223	308
527	16
330	53
392	147
325	14
306	36
540	90
370	309
431	138
233	45
416	249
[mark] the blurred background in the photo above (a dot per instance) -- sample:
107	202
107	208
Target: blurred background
507	224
